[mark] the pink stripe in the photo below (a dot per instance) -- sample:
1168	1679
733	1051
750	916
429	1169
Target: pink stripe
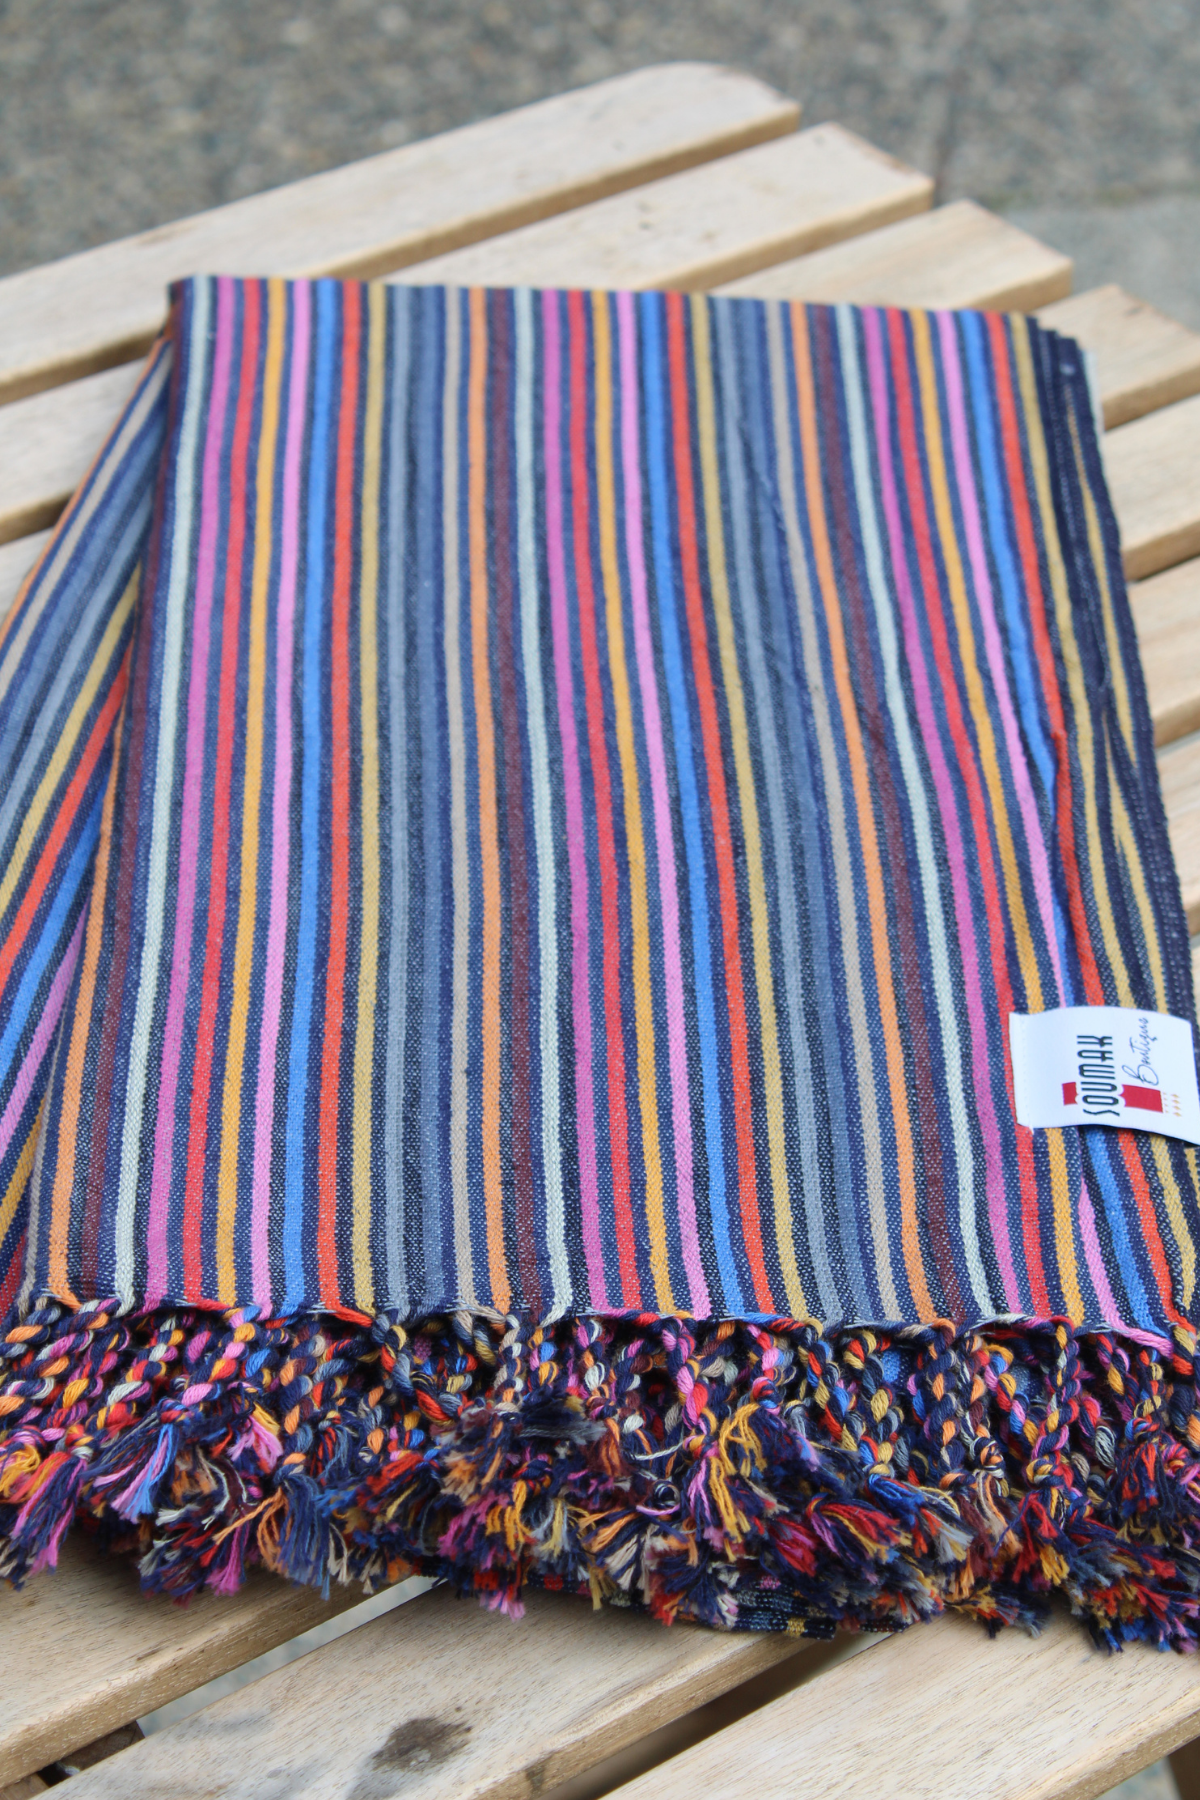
289	556
1095	1260
573	796
681	1109
28	1072
194	796
965	477
947	807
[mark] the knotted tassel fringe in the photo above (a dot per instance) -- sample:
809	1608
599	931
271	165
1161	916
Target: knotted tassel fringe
745	1475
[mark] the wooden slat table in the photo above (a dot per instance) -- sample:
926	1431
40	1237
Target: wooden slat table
684	176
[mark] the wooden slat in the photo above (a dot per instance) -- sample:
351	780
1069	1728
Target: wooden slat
440	1698
84	1651
1145	359
47	444
1166	611
1179	774
16	560
705	226
945	1713
103	306
683	231
1153	470
957	255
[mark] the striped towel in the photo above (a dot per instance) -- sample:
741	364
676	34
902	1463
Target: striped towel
524	818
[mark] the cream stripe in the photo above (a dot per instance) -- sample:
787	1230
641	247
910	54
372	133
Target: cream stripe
543	816
760	925
922	824
639	912
186	488
783	407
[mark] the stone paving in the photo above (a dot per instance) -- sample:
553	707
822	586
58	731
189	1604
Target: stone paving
120	114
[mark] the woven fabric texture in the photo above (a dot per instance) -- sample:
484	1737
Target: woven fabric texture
523	819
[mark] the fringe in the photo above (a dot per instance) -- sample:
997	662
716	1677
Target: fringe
765	1476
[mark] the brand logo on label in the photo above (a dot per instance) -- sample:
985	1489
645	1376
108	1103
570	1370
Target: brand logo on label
1117	1066
1098	1091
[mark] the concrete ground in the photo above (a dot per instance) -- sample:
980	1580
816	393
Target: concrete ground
1077	117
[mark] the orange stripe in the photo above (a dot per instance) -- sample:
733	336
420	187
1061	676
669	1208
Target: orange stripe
339	811
228	1188
64	820
710	729
64	1174
871	863
489	851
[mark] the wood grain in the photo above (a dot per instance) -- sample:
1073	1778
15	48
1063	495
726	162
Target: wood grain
1179	776
683	231
1185	1769
48	443
1153	470
1166	611
705	226
957	255
84	1651
103	306
945	1713
1145	360
440	1698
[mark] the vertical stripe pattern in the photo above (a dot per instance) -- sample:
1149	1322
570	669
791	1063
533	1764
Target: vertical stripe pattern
582	781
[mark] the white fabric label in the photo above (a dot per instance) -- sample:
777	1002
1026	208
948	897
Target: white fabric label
1106	1065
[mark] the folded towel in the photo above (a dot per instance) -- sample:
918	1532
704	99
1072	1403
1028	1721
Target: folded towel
524	819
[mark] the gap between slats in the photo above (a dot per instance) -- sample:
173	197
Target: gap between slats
103	306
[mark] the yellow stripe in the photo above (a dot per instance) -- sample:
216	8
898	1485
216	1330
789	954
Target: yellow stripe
368	976
1170	1186
16	1188
67	745
1116	660
66	1173
871	861
1123	826
759	917
1060	1189
638	907
260	531
489	851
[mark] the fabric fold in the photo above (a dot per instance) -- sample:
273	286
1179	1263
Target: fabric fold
524	817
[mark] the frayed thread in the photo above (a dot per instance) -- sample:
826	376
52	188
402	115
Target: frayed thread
767	1476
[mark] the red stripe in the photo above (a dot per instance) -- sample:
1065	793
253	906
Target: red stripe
1010	433
339	812
710	731
990	882
119	909
507	602
602	780
1022	516
12	1275
227	736
64	819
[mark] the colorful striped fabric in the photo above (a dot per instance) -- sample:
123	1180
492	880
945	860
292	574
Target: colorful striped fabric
568	790
64	666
